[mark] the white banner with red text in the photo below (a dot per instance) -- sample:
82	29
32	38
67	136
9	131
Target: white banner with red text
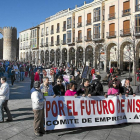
70	112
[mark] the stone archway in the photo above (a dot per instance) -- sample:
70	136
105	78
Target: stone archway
47	57
58	57
108	53
79	59
89	55
52	56
72	56
64	56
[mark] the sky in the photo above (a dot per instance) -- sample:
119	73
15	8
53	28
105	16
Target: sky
24	14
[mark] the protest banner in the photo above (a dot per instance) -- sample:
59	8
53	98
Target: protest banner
70	112
85	72
48	75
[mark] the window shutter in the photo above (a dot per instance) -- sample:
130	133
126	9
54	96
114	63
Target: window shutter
79	19
112	29
126	26
112	9
126	5
89	33
89	16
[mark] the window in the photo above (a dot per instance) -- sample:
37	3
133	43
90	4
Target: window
69	23
21	45
21	38
35	32
57	39
47	30
52	41
80	35
89	34
96	31
79	21
42	32
111	12
126	27
64	25
24	38
46	40
112	29
137	23
126	8
52	29
64	38
88	18
42	41
68	36
97	14
137	5
57	28
35	43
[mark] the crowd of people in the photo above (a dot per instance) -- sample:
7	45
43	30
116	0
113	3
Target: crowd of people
52	83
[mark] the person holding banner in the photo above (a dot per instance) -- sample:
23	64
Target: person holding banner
72	89
85	89
38	109
112	90
59	89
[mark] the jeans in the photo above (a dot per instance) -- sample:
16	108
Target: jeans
1	110
21	76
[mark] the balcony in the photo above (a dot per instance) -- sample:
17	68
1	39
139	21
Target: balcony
78	40
57	43
23	39
88	38
41	45
97	37
69	26
125	32
57	30
137	31
126	12
68	40
88	22
52	44
20	48
111	16
79	24
63	42
26	47
46	45
111	34
63	29
42	35
47	33
96	19
137	8
52	31
26	38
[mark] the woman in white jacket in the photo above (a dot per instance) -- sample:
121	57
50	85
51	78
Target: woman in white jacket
38	109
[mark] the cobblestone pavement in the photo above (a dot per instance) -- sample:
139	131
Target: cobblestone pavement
22	126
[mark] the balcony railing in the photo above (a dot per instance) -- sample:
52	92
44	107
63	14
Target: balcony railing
79	24
52	31
111	34
63	42
42	35
57	30
126	12
20	48
68	26
26	38
137	8
88	38
63	29
26	47
78	40
125	32
111	16
137	31
69	40
47	33
57	43
88	22
23	39
96	19
52	44
96	36
46	45
41	45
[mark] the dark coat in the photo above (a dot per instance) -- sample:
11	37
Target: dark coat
126	90
78	79
84	90
59	90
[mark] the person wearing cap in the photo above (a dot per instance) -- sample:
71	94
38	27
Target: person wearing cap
116	82
38	109
71	89
59	89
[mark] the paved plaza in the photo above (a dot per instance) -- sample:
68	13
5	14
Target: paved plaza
22	126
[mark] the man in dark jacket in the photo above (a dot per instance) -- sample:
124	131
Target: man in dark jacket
78	78
85	89
59	89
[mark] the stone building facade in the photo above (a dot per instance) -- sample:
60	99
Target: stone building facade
102	32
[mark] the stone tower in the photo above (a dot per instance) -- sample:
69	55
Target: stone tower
9	42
